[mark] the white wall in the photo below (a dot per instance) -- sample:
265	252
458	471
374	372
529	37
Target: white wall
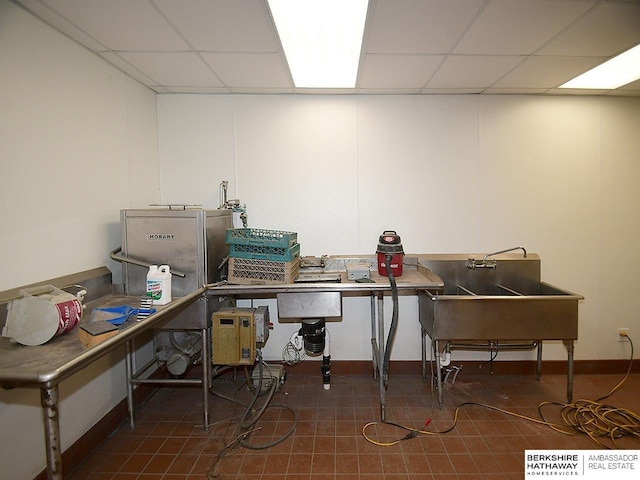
78	142
466	174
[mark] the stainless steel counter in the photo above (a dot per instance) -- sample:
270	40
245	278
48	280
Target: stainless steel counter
410	282
61	357
45	366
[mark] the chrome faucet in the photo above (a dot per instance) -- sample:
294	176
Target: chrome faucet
484	259
473	264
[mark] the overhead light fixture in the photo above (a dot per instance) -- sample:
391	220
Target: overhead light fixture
321	40
620	70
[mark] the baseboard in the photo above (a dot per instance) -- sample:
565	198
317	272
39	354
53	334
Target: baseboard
517	367
73	457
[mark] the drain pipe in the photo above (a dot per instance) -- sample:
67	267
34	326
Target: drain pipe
445	356
326	361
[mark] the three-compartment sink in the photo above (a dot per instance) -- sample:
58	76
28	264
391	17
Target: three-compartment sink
503	300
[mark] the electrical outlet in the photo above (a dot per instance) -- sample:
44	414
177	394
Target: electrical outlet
623	332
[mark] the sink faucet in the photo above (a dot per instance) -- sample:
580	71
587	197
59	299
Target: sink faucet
484	259
473	264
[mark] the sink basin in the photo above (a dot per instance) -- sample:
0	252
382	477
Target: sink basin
500	302
508	302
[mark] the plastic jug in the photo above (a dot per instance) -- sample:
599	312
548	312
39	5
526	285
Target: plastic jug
159	284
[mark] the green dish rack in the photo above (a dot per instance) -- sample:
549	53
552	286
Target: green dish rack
261	244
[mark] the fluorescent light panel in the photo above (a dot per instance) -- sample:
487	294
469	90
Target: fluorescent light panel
321	40
620	70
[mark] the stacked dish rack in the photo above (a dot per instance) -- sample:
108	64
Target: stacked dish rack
262	257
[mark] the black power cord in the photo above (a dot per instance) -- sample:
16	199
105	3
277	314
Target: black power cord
247	423
394	321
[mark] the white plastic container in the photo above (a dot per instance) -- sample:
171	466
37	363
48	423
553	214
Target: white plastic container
159	284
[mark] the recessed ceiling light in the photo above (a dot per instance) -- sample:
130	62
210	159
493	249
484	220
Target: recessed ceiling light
321	40
620	70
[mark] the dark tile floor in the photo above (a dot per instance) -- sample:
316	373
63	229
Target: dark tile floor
328	442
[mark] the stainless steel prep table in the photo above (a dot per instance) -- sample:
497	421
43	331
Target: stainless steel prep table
45	366
409	283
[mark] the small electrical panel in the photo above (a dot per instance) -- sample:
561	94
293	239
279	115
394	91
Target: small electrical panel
237	333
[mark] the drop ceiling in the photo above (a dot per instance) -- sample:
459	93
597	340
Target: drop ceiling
409	46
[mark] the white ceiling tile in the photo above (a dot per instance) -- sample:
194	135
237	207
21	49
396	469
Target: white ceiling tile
249	69
398	71
223	25
518	46
63	25
518	27
173	68
121	24
419	26
608	29
472	71
546	72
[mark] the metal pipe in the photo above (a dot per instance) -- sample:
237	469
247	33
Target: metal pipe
491	346
326	361
168	381
118	258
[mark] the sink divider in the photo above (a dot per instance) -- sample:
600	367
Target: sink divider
511	291
467	291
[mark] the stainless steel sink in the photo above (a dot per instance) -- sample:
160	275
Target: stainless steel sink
492	303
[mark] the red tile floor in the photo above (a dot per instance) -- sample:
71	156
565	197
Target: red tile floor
328	443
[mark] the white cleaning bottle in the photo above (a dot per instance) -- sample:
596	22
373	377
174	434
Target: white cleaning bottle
159	284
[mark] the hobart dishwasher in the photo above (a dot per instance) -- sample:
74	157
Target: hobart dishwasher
192	241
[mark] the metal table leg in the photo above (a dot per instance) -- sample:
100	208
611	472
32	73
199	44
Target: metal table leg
539	361
49	400
423	344
130	371
374	345
569	345
206	376
436	352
